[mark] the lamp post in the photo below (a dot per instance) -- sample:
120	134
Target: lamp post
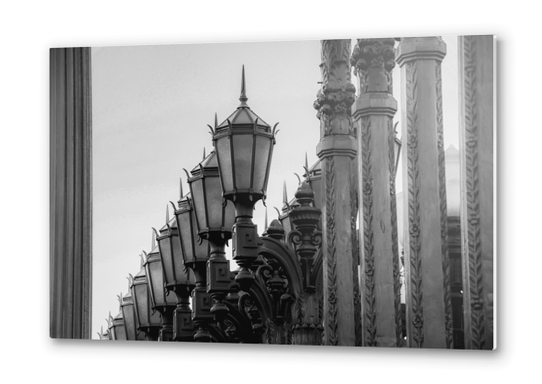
161	301
147	319
244	147
178	278
118	330
214	219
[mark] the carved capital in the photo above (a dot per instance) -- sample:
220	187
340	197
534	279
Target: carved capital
420	48
337	95
373	60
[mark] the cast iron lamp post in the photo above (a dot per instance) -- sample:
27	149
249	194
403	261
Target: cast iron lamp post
177	277
147	319
214	219
244	147
161	301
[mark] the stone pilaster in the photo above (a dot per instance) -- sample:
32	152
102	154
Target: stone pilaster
337	151
476	74
428	296
375	107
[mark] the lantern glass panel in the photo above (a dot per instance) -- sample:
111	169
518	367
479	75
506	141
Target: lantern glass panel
167	259
128	315
242	146
214	201
141	301
263	148
196	188
156	277
186	234
223	149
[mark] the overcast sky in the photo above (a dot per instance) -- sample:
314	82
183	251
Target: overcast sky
151	107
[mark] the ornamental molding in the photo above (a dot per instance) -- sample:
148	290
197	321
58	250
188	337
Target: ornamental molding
474	241
415	260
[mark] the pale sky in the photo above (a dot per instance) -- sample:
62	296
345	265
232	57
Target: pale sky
151	107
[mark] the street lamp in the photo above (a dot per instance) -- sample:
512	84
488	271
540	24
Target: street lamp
214	219
118	330
244	147
178	278
128	314
147	320
161	301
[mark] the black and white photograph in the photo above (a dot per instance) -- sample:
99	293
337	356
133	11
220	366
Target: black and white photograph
328	192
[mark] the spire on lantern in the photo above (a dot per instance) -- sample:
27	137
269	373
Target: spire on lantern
243	98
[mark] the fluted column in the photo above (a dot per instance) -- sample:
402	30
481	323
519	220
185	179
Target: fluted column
428	296
476	75
337	151
373	112
70	193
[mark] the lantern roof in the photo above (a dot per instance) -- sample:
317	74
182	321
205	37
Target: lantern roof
243	115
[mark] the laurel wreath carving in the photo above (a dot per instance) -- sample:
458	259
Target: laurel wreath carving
416	293
355	250
394	240
331	260
473	197
368	245
443	211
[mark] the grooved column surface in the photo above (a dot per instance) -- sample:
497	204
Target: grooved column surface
70	193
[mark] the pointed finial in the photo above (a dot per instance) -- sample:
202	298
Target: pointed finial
284	194
167	214
181	185
265	225
204	153
142	260
243	98
153	244
216	120
307	163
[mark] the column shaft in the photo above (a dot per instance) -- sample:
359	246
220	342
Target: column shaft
476	148
373	113
337	151
428	295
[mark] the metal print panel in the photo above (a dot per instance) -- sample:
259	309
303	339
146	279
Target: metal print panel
182	210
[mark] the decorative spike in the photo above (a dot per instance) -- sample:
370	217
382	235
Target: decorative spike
243	98
298	178
265	225
204	153
284	193
142	260
154	235
278	212
167	213
130	280
216	120
181	185
307	163
119	297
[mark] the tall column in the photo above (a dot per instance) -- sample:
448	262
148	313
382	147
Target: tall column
70	193
476	76
373	112
337	151
427	278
